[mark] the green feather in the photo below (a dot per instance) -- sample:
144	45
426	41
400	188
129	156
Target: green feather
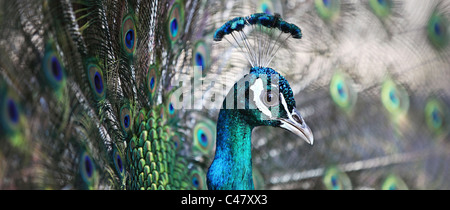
328	10
126	118
152	81
394	98
128	35
152	156
342	91
382	9
88	172
437	116
204	137
96	79
438	30
53	69
258	179
198	179
393	182
201	56
335	179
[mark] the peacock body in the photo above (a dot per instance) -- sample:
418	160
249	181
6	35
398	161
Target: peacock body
101	94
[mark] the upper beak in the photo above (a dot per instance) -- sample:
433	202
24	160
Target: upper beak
297	125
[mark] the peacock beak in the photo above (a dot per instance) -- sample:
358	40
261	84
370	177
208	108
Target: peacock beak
297	125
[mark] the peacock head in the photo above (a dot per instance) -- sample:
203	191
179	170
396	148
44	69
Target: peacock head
265	98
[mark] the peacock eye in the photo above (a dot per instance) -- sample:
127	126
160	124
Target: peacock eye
270	97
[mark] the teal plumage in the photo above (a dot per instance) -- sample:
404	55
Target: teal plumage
88	93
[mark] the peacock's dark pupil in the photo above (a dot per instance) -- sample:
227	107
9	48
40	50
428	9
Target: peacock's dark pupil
88	165
199	60
203	138
56	69
152	83
341	90
334	181
435	115
129	39
98	82
174	27
126	121
119	163
195	182
12	111
437	29
393	97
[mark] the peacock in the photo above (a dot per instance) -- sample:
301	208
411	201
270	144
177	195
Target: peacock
224	94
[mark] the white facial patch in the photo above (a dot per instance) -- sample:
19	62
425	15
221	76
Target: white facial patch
283	102
258	89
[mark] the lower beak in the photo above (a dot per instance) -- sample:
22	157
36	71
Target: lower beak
297	125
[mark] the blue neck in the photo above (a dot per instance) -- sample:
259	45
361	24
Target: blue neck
232	165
